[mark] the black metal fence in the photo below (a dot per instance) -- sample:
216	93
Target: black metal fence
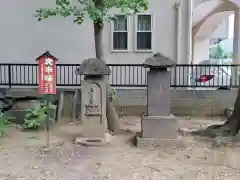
127	75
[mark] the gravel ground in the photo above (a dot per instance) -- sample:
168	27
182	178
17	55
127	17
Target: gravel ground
24	158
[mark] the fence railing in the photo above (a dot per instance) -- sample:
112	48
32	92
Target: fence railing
127	75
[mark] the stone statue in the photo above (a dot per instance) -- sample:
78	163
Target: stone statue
90	96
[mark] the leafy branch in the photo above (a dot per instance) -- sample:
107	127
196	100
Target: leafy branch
5	124
36	116
97	10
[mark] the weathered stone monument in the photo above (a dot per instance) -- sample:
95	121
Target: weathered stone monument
158	125
93	101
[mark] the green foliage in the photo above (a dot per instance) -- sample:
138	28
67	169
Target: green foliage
112	94
4	124
97	10
36	116
219	53
227	55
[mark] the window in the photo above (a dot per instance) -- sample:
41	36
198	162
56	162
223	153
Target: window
120	33
144	32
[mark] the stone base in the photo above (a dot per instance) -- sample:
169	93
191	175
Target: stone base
92	129
94	141
167	144
90	141
159	127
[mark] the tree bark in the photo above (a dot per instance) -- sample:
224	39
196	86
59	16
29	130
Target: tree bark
98	29
229	128
113	120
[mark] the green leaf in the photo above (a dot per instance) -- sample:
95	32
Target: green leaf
27	110
52	106
4	124
36	116
98	10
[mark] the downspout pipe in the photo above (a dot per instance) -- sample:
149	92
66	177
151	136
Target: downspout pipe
190	42
190	19
178	25
178	30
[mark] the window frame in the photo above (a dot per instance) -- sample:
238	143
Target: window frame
136	31
128	34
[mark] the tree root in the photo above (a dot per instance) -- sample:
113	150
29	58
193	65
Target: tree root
229	129
216	131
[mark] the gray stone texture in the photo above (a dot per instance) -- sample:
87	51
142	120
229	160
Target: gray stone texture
158	123
93	66
132	101
183	102
158	93
93	107
166	144
93	98
163	127
67	106
158	61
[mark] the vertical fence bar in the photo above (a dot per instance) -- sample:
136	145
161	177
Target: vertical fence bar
126	75
9	76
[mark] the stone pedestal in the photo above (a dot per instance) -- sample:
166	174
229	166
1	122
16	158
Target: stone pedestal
158	126
161	127
93	107
93	100
158	92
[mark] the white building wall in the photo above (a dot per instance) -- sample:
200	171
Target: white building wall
23	38
222	31
201	51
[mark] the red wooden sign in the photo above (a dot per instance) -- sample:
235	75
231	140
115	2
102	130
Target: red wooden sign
46	74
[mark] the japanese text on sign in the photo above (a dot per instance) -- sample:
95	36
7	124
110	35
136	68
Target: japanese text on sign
47	75
48	88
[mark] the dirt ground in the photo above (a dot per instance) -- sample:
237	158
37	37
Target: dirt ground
24	158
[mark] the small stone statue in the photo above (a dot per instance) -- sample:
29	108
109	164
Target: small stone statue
90	95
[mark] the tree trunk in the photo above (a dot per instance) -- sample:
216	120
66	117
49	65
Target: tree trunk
112	116
229	128
98	29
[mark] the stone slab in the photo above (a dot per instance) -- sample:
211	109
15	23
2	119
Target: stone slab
90	141
94	141
164	127
92	129
93	108
168	144
158	93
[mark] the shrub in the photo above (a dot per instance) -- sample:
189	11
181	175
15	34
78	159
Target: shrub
36	116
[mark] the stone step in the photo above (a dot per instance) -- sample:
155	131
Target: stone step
22	92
